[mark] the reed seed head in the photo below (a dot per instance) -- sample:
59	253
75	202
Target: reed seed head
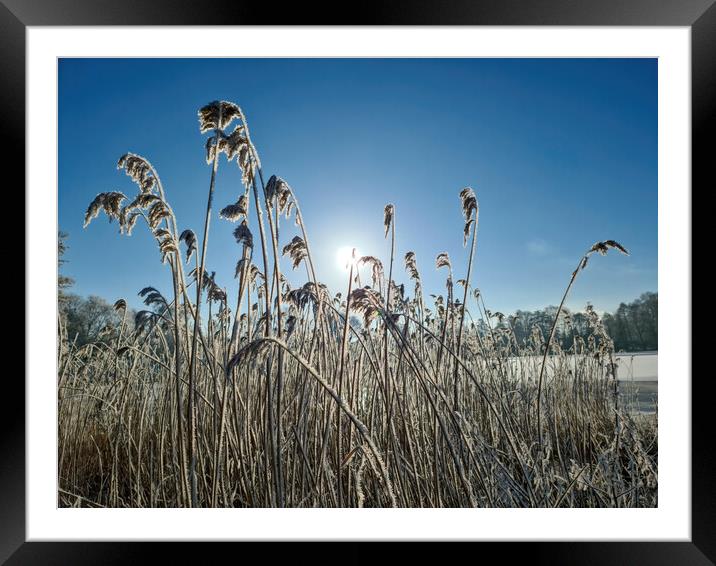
189	238
388	214
234	212
376	265
468	201
279	191
296	250
367	302
108	202
443	260
139	170
243	235
217	115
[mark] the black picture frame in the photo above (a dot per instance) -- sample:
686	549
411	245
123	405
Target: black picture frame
700	15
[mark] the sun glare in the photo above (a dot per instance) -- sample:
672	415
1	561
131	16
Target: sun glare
343	257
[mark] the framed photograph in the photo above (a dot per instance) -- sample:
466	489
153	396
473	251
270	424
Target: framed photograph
384	280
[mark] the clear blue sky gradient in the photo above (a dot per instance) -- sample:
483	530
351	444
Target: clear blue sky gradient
560	152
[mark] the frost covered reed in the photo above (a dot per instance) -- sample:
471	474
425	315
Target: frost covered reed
259	394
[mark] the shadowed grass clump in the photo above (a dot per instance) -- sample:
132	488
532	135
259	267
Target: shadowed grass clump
265	395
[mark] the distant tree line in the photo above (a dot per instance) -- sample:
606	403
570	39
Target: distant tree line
632	327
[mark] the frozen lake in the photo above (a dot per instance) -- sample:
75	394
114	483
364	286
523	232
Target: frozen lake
638	377
637	366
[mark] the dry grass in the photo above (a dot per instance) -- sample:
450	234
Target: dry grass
276	399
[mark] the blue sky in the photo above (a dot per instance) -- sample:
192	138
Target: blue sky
560	152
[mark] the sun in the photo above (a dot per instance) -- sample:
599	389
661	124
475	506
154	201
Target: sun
344	255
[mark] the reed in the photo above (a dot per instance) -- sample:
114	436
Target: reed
302	397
